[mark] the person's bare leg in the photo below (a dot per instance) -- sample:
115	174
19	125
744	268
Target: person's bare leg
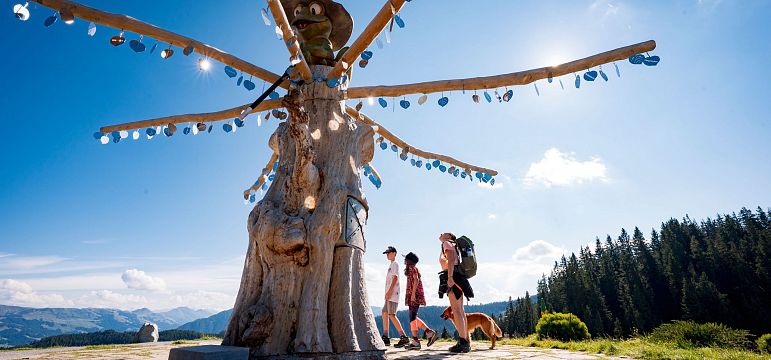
385	316
421	324
398	324
459	315
414	327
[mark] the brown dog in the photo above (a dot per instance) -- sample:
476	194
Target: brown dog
478	320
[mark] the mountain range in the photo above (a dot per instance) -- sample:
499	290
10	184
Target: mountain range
20	325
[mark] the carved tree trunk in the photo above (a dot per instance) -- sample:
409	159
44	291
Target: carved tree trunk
303	289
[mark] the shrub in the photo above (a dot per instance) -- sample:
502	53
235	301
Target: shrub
565	327
689	335
764	343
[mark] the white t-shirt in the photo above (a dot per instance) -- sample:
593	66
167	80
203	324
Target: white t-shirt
393	270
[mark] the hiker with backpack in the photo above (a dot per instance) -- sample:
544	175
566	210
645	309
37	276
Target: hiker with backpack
458	262
392	300
414	299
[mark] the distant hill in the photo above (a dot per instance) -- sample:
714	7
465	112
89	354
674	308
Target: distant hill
214	324
20	325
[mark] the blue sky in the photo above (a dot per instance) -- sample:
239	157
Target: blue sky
161	223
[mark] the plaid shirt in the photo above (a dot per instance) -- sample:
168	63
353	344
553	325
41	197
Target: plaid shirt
413	280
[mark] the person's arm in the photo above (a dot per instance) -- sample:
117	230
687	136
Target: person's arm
391	288
451	259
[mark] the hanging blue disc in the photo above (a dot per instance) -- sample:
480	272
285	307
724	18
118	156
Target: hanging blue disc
550	78
274	95
443	101
227	127
382	102
403	157
271	177
209	130
383	146
333	83
404	104
578	82
492	182
252	198
275	166
186	131
618	72
150	131
115	134
188	50
239	122
152	49
509	94
436	163
399	21
230	72
456	173
590	75
116	140
561	85
463	175
488	97
442	168
419	163
478	175
428	166
375	181
412	162
602	74
168	132
50	20
98	135
264	187
240	80
366	55
137	46
249	85
394	148
652	61
486	177
637	59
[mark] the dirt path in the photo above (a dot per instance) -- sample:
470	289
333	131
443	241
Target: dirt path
160	351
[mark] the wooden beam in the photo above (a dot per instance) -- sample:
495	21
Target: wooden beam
191	118
375	27
491	82
290	39
412	150
130	24
263	176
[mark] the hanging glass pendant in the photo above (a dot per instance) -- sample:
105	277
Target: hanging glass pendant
436	163
379	43
167	53
363	63
394	148
422	99
91	29
227	127
488	97
239	122
50	20
550	78
419	163
428	166
561	85
188	50
230	72
442	168
498	96
135	135
509	93
186	131
443	101
537	92
475	98
590	75
279	33
359	106
578	82
388	37
274	95
104	140
249	85
67	16
117	40
150	132
137	45
603	75
201	127
21	11
265	17
404	104
366	55
152	49
652	60
403	156
637	59
384	146
383	103
618	72
399	21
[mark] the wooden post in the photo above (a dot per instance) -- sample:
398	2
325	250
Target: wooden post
492	82
290	39
375	27
130	24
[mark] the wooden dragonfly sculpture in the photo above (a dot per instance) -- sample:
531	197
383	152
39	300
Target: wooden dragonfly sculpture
302	288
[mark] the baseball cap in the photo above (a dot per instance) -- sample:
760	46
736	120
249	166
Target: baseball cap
389	250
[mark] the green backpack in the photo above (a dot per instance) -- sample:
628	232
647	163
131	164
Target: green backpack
468	258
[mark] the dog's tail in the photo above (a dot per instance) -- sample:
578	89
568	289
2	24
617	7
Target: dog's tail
498	332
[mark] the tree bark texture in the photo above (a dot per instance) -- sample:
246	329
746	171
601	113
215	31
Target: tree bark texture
302	289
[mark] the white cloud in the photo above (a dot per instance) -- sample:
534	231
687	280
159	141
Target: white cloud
18	293
112	300
137	279
492	216
538	251
562	169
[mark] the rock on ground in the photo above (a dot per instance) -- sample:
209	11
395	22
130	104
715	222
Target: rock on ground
147	333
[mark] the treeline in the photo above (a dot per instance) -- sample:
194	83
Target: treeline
711	271
111	337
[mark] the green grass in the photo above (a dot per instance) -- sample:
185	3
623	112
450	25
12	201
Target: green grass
638	349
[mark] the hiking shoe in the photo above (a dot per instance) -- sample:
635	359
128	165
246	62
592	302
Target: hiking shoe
431	336
403	340
414	345
386	340
462	346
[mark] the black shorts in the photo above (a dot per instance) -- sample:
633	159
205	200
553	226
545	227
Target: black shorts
462	286
414	312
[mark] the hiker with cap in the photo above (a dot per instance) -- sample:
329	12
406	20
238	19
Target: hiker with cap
453	283
414	299
392	300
